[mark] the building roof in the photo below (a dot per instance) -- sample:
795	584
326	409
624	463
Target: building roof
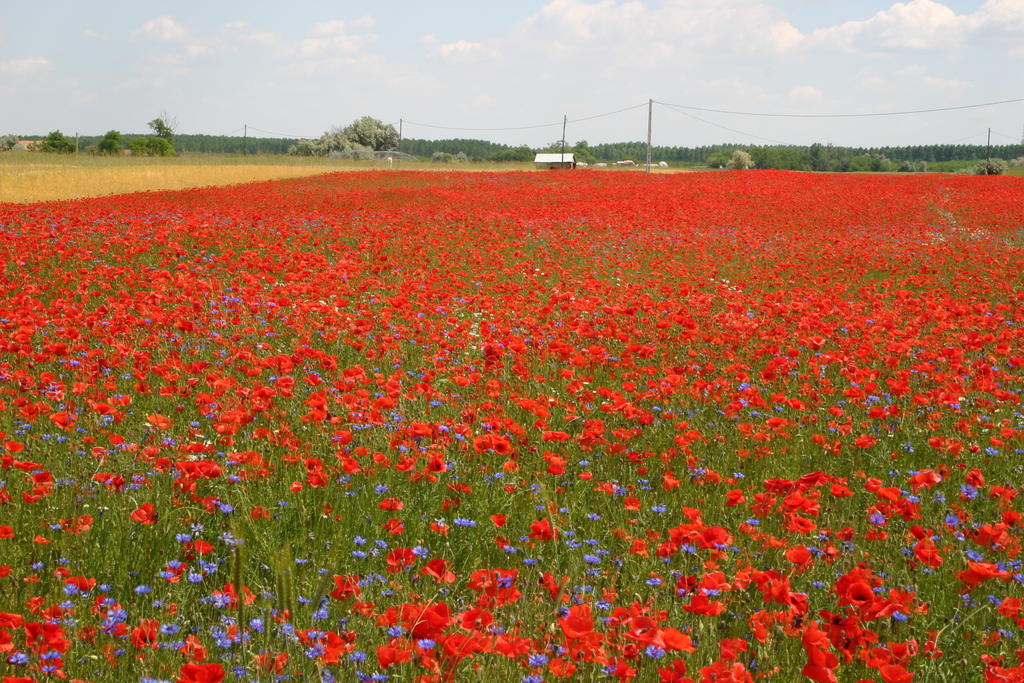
555	158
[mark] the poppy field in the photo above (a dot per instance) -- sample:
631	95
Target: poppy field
529	427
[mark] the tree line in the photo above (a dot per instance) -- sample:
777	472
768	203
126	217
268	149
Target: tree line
366	137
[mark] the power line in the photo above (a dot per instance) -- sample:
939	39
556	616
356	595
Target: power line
969	137
609	113
283	135
1004	135
529	127
430	125
716	125
840	116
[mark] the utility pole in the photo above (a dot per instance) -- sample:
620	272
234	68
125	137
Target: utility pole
650	114
245	139
988	152
399	135
565	120
76	142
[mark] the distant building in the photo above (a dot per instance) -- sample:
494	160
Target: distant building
556	160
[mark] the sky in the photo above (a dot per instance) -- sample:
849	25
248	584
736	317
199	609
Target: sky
451	68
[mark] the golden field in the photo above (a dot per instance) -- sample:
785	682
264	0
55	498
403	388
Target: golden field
28	177
36	177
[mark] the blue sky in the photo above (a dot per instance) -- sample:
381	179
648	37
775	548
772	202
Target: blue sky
300	68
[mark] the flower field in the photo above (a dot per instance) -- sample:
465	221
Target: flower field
516	427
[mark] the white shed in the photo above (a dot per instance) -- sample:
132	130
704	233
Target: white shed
555	160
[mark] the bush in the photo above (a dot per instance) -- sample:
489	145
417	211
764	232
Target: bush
7	142
717	160
990	167
56	143
740	160
110	144
151	147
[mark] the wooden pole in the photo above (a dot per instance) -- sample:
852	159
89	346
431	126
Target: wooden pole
565	120
650	110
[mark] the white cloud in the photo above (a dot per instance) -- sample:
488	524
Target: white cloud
922	25
242	32
331	39
459	46
329	28
710	27
806	93
95	35
1007	15
911	78
198	50
911	71
462	50
946	84
163	29
27	65
263	38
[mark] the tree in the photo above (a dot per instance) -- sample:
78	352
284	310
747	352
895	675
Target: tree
151	147
305	148
990	167
740	160
110	144
8	142
163	127
819	156
521	153
717	160
372	134
358	140
56	142
582	152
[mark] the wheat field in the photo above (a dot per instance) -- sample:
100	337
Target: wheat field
34	177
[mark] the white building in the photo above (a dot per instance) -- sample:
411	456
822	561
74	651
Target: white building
555	160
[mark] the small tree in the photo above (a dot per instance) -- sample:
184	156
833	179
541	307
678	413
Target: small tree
110	143
370	133
990	167
56	142
163	126
520	153
582	152
151	147
740	160
717	160
8	142
305	148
